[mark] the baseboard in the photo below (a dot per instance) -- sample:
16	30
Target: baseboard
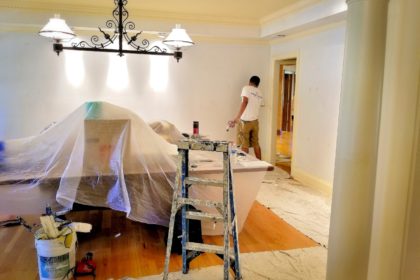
311	181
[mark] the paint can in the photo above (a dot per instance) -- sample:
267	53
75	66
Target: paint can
196	130
56	257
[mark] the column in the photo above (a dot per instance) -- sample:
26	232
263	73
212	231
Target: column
357	140
395	245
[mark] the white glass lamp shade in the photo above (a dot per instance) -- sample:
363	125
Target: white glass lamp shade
178	38
57	29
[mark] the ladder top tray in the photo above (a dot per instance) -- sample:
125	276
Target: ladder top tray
203	145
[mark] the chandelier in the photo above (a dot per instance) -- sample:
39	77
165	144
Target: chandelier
119	27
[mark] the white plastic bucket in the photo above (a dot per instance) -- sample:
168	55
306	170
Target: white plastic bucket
56	257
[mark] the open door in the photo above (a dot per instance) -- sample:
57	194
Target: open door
285	114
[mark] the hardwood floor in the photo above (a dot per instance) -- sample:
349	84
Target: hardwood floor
284	144
122	247
284	150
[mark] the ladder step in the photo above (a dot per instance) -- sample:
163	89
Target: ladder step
208	248
199	202
200	181
195	215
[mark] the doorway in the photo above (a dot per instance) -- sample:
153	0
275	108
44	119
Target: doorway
285	113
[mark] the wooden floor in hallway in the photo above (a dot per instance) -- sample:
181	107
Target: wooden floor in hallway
284	150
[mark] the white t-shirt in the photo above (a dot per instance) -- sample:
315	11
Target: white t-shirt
254	102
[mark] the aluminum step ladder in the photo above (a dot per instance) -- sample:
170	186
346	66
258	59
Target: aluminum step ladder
225	208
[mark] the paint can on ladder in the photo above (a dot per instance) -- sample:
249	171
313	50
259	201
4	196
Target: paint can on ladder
196	129
56	257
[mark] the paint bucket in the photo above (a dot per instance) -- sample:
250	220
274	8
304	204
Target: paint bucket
56	257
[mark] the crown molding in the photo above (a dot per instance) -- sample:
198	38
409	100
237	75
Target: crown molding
233	41
298	6
86	10
308	32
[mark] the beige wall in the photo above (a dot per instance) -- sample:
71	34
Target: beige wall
318	85
204	86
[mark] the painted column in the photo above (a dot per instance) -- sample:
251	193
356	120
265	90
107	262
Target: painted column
395	245
357	140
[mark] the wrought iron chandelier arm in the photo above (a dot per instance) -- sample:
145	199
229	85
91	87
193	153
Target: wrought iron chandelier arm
145	43
95	42
132	38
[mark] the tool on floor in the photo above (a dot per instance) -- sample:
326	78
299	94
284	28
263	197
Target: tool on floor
86	266
226	209
16	222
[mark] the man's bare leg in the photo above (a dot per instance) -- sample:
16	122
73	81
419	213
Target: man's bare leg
257	151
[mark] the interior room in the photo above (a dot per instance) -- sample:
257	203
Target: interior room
93	128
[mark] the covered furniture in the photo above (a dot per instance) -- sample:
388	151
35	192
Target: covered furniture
104	155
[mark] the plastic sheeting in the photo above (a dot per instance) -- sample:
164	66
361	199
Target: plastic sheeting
100	155
298	264
167	130
300	206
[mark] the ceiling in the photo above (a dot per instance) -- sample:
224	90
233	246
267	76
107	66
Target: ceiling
209	19
241	11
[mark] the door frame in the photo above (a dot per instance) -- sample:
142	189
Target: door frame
276	61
